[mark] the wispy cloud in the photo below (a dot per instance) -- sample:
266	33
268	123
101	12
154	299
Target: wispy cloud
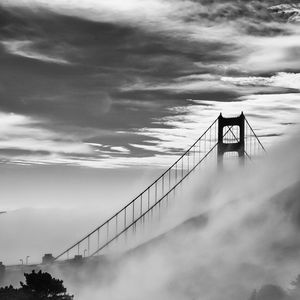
282	79
209	82
24	133
273	53
27	49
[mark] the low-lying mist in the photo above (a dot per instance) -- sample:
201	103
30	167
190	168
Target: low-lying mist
49	209
248	236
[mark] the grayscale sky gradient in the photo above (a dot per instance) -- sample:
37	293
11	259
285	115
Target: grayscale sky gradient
92	87
107	84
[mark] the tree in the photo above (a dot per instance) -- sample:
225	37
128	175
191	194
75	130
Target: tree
10	293
38	286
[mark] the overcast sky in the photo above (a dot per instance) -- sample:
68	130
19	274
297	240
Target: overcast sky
108	83
88	87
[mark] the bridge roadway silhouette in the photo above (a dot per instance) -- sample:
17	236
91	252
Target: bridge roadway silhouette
224	137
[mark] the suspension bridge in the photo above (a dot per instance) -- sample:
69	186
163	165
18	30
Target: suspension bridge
224	137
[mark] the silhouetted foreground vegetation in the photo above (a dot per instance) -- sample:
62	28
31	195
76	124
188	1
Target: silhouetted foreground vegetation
274	292
42	286
38	286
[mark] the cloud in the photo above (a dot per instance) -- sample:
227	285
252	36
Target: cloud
120	149
224	84
271	54
26	49
181	18
282	79
110	73
290	11
145	12
25	140
23	133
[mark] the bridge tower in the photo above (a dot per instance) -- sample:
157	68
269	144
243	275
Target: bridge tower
237	144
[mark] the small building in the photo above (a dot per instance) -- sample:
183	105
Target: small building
47	259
